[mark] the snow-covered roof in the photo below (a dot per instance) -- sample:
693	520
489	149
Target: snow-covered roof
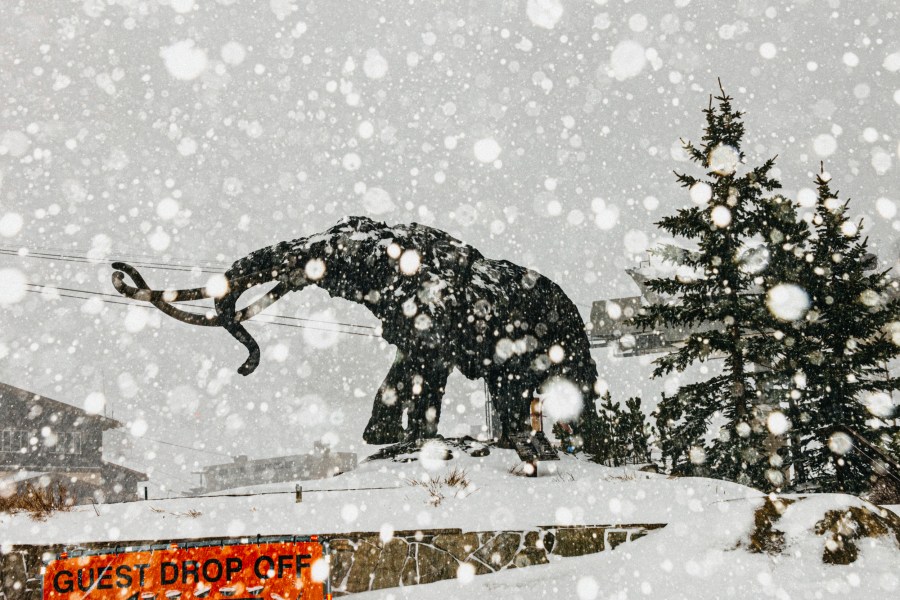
19	477
15	394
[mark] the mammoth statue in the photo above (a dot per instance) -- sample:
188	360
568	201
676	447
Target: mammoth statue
440	302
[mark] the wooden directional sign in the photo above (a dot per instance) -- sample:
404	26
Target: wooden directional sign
273	570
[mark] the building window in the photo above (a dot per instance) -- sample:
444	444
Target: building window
67	442
13	440
17	440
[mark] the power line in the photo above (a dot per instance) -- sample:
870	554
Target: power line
263	322
396	487
92	261
41	291
180	446
276	493
80	257
163	266
119	298
142	258
99	296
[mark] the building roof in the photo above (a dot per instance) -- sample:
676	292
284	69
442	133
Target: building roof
17	394
18	475
125	470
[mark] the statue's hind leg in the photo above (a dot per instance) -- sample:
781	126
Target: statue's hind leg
511	396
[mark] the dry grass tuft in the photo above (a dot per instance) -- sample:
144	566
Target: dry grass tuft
38	502
627	475
192	513
458	478
563	477
435	488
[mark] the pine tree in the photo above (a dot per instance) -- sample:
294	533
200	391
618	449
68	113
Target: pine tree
608	447
715	302
848	334
615	437
666	417
635	431
600	435
683	421
778	347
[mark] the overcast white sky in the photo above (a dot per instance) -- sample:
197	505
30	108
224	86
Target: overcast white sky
543	132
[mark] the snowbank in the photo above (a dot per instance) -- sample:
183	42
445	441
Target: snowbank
378	495
703	551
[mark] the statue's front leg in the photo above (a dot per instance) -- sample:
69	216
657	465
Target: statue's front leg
386	423
416	383
427	399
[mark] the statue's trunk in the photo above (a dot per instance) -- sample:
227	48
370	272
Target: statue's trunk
225	307
275	263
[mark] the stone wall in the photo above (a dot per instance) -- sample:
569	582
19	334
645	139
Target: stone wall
361	561
20	570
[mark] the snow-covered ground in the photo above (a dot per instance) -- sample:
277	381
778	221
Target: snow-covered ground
694	558
184	134
697	555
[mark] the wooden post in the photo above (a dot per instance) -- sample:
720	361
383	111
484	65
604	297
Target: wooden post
298	494
537	417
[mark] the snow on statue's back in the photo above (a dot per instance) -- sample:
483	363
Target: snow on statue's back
440	302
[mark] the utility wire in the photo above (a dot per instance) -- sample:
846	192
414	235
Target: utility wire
77	257
100	295
146	439
91	261
163	266
119	298
291	492
70	256
142	258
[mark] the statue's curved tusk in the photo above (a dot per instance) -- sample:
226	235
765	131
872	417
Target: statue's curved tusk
162	299
155	298
143	291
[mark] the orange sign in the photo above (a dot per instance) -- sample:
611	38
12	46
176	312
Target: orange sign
292	570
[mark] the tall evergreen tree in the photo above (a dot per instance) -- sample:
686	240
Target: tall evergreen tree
716	302
804	323
848	334
778	347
